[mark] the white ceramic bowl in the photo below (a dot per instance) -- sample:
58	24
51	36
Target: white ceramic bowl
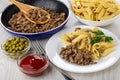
96	23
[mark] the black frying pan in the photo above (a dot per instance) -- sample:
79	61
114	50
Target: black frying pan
50	4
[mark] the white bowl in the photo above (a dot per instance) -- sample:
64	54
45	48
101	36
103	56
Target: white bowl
96	23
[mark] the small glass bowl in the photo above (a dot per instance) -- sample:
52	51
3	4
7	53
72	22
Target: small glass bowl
32	66
15	55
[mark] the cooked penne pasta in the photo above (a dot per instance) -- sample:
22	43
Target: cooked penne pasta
79	38
98	9
95	10
112	15
101	14
83	39
107	51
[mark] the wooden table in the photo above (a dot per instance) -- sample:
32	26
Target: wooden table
10	71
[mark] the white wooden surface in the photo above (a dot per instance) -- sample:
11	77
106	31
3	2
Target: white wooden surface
10	71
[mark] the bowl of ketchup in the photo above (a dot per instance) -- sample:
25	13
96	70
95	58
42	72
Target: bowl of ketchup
32	64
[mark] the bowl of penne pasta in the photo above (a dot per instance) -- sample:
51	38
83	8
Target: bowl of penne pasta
96	12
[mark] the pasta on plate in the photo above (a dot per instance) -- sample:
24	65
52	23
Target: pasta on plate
93	40
95	10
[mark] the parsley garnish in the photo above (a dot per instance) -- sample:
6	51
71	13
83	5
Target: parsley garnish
108	38
99	32
95	40
98	38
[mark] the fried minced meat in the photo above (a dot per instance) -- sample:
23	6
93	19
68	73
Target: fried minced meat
77	56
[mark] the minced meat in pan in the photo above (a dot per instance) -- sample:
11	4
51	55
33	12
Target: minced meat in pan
19	23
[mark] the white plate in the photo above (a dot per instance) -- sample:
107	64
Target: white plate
54	45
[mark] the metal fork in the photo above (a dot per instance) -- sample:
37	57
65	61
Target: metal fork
38	48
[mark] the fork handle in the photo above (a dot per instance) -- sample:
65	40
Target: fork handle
65	75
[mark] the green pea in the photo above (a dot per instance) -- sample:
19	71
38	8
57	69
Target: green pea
16	49
13	51
13	46
10	50
17	45
15	42
9	45
20	48
20	43
26	43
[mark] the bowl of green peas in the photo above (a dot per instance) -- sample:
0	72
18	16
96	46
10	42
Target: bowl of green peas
15	46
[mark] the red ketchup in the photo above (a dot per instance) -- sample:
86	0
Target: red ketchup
33	64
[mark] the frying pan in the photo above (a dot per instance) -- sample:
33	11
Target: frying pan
56	5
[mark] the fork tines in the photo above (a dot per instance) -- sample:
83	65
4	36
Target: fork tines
37	47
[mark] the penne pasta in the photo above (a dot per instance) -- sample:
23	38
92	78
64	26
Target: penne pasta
83	38
107	51
95	10
79	38
112	10
98	9
101	14
112	15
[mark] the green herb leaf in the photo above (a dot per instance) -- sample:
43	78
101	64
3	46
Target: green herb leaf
108	39
99	32
95	40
